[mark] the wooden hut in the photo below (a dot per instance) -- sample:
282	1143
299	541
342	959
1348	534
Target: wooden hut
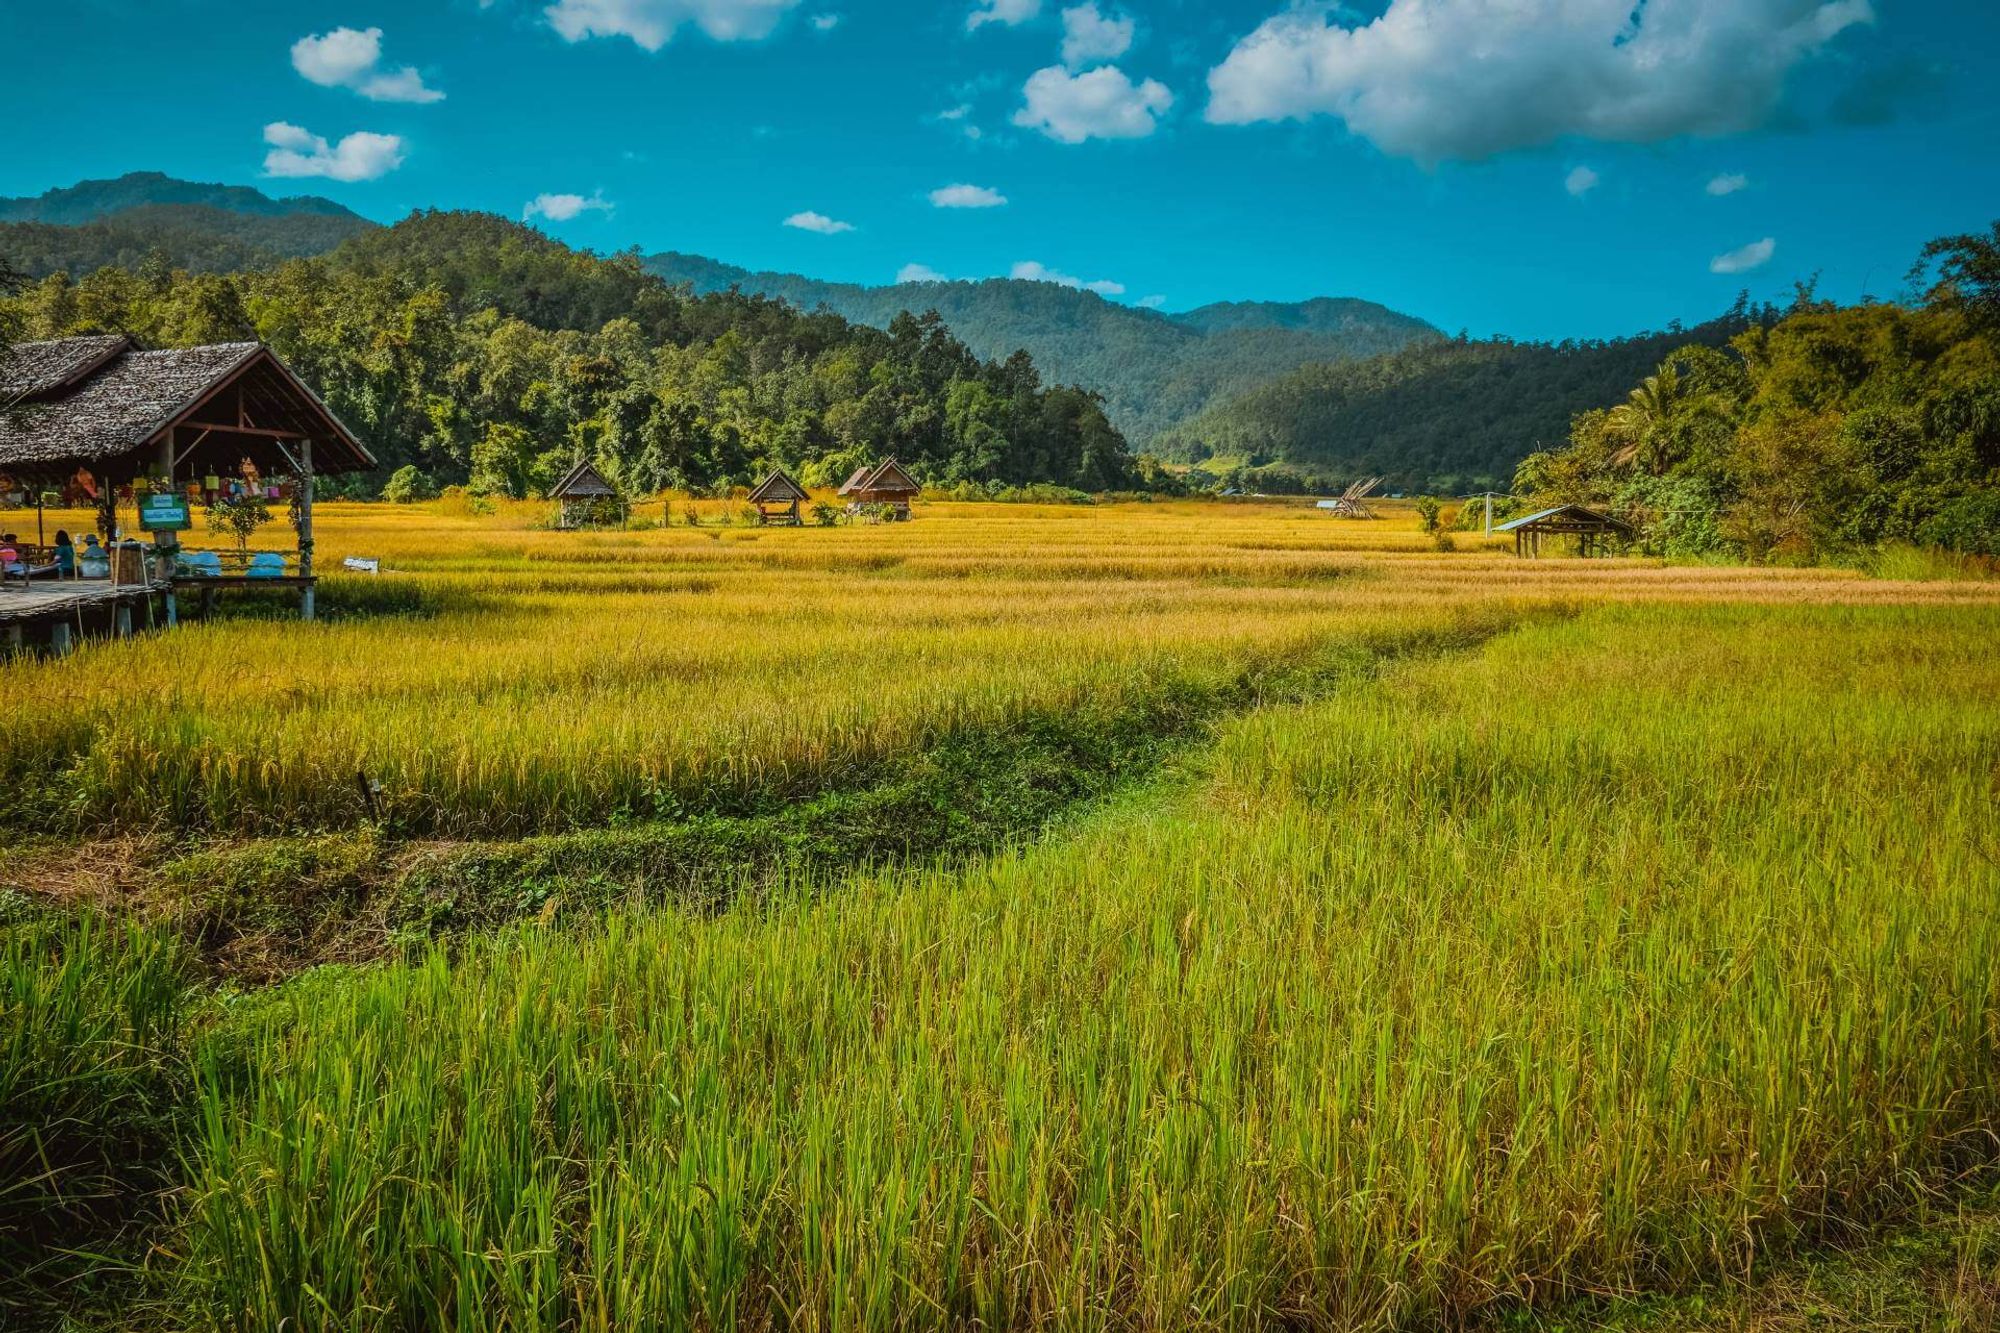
169	427
1592	530
587	499
777	498
885	484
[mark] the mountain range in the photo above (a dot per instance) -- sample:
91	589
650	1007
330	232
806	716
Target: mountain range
1153	369
1323	389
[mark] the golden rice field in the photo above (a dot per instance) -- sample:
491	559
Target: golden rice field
1505	940
537	680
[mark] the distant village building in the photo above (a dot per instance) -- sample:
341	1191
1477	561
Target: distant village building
587	499
1592	530
777	498
884	484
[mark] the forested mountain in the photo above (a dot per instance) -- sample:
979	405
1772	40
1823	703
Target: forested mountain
87	201
480	350
1153	370
195	237
1452	416
1826	432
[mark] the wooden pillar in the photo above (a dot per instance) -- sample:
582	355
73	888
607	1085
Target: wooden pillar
121	621
169	542
306	607
13	639
59	642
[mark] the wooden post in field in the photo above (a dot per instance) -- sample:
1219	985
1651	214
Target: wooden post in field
59	638
306	529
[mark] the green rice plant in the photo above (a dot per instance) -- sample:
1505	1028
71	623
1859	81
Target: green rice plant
1607	960
92	1077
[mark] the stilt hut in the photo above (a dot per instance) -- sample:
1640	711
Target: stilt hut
587	499
777	498
1593	531
885	484
173	429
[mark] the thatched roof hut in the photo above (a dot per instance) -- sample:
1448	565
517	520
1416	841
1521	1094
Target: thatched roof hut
884	484
1591	529
103	407
587	498
777	498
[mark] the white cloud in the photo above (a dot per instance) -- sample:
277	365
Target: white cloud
1728	183
358	157
1090	35
1006	12
819	222
1580	181
825	22
1151	302
352	58
1438	79
652	23
1029	270
966	196
1098	104
563	207
919	273
1754	255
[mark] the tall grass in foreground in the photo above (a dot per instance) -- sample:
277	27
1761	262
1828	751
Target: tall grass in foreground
1607	959
91	1075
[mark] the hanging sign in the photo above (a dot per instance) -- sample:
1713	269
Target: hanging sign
164	513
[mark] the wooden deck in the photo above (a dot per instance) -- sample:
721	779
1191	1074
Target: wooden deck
52	599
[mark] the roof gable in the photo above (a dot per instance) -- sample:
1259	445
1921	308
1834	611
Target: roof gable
891	478
778	488
92	399
1575	513
582	482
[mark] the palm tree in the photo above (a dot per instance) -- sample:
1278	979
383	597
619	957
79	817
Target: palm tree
1643	423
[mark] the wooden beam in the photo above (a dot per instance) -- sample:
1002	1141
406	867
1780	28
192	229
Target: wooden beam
262	431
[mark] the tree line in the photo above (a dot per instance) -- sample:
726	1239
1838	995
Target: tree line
484	353
1829	430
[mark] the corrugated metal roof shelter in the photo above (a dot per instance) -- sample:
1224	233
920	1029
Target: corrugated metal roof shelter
777	498
103	407
884	484
586	498
1588	526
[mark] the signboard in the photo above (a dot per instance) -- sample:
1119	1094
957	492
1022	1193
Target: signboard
164	513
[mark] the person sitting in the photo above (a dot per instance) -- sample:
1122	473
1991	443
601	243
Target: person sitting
11	566
65	555
93	561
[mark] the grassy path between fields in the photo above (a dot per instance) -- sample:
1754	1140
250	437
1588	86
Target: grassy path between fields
259	909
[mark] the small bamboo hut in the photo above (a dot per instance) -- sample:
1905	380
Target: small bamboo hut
587	499
1593	531
885	484
777	498
174	429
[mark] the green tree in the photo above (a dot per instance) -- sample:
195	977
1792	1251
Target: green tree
409	486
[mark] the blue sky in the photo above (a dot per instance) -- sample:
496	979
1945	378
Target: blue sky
1538	168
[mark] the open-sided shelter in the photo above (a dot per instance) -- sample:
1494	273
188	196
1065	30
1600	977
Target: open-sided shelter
160	422
884	484
1592	529
587	499
777	498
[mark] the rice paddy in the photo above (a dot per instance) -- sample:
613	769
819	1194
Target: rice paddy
1492	935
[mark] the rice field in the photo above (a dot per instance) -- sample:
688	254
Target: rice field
1623	929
